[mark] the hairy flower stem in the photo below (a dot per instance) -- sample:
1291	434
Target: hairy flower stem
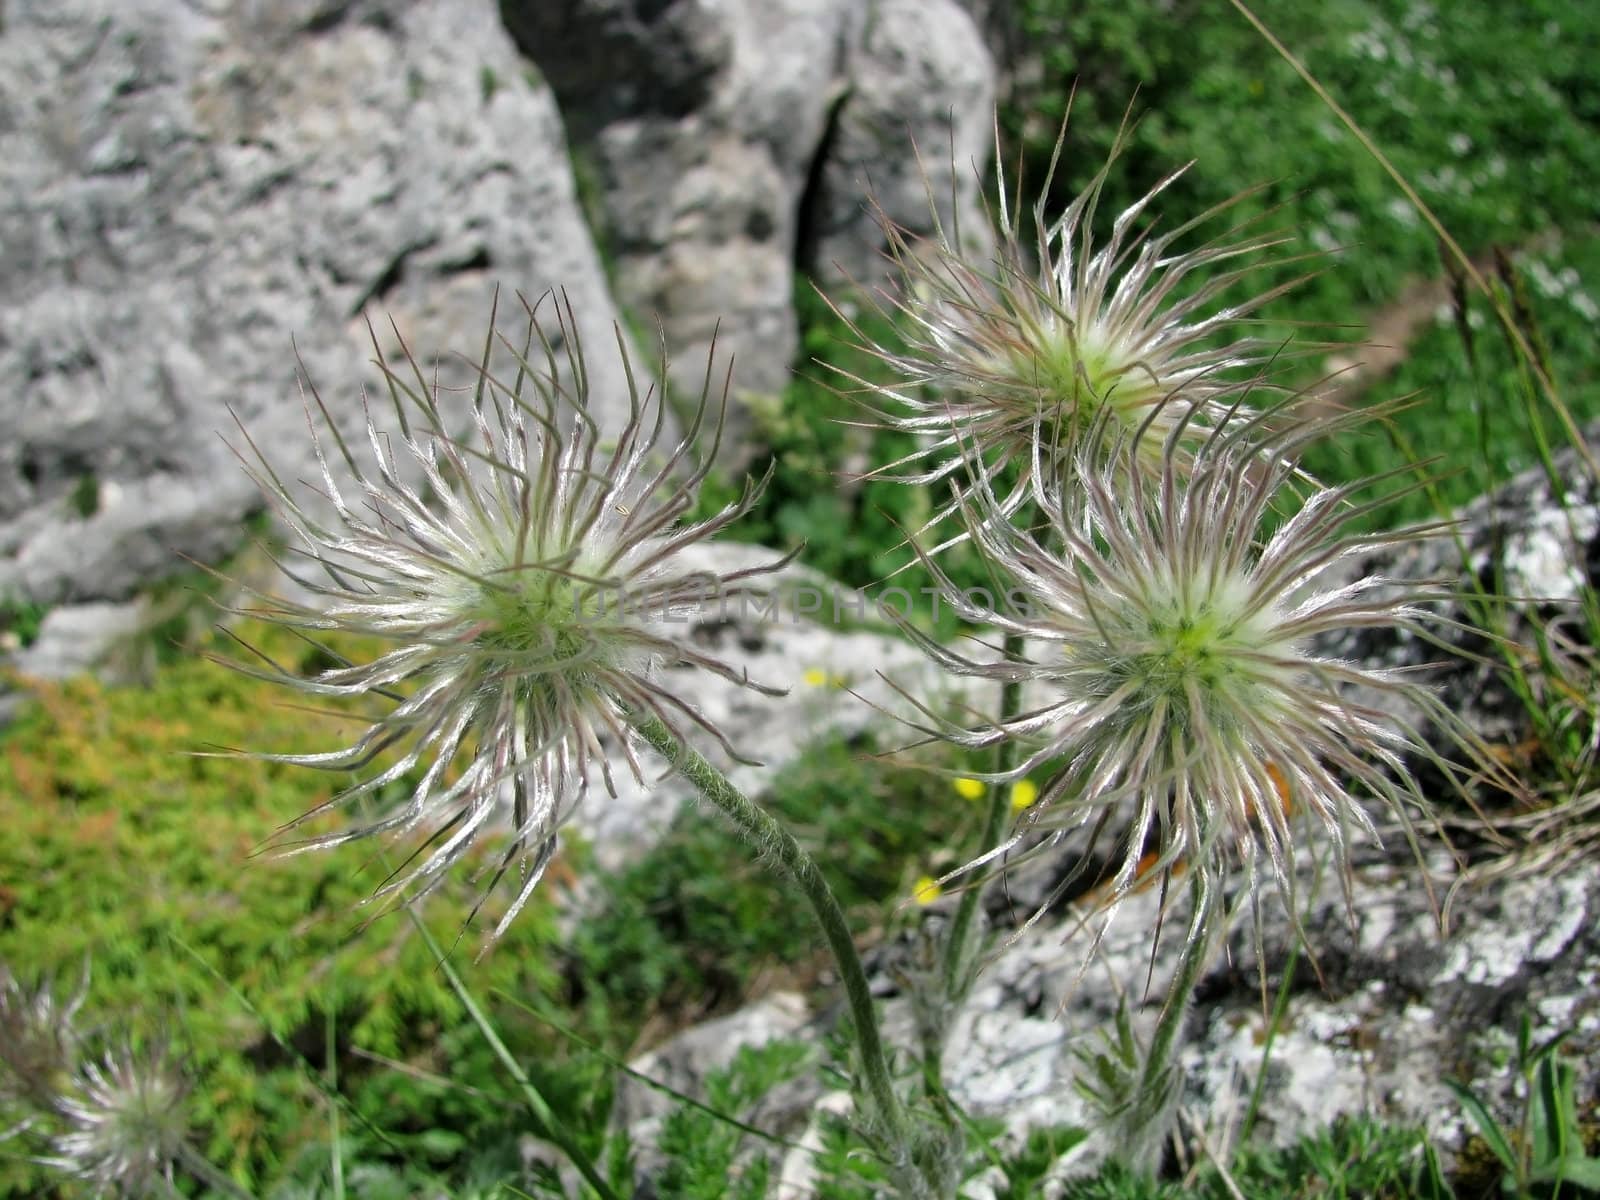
958	963
1154	1104
770	838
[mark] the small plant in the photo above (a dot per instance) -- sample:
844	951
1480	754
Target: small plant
20	623
702	1149
85	497
1545	1152
112	1113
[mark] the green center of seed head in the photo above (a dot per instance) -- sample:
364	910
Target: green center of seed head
1194	645
1189	650
540	620
1077	375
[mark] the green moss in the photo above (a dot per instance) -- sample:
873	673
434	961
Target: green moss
85	497
21	620
122	846
125	849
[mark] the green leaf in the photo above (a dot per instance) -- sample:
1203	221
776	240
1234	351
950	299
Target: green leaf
1488	1127
1549	1113
1580	1170
1548	1047
1432	1185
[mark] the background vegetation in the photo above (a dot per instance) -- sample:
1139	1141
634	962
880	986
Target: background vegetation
124	850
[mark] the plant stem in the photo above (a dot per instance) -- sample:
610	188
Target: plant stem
959	953
331	1048
1146	1127
769	838
551	1126
204	1170
1279	1006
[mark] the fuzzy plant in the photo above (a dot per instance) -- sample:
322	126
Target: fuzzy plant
109	1113
1005	363
1182	689
1171	641
1122	458
525	614
527	601
1116	452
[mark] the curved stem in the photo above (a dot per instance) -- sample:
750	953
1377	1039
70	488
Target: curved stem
1157	1089
552	1128
958	955
770	838
207	1172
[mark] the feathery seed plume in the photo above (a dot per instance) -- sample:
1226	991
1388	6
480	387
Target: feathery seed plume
528	595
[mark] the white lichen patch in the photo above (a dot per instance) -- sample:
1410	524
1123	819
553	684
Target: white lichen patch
1539	557
1493	955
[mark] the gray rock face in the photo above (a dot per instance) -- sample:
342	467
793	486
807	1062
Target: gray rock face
184	188
920	90
732	141
1520	541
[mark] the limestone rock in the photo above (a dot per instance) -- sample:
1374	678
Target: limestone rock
730	142
187	187
916	124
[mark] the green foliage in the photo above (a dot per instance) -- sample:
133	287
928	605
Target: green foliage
122	847
1546	1151
1109	1073
85	496
1489	111
686	931
1477	414
21	620
1353	1158
126	848
1026	1171
701	1151
844	1170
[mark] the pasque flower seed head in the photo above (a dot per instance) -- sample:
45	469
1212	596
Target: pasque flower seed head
1014	361
38	1038
528	593
123	1122
1172	629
